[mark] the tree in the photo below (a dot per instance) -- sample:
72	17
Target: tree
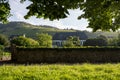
4	40
101	14
44	40
4	10
76	41
95	42
68	42
113	42
26	42
103	37
71	41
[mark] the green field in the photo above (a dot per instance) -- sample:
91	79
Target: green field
61	72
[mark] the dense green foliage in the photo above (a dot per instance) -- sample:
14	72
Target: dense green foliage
61	72
44	40
4	10
76	41
52	9
71	41
68	42
4	40
115	41
95	42
26	42
20	28
102	37
101	14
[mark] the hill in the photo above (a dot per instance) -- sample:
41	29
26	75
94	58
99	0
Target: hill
98	33
20	28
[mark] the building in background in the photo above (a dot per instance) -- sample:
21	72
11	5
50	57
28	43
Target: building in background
60	37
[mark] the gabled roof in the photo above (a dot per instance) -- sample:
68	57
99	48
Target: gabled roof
65	35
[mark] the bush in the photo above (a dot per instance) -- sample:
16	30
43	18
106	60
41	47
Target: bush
4	40
71	42
44	40
113	42
95	42
68	44
26	42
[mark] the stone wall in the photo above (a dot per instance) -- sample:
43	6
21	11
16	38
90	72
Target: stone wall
62	55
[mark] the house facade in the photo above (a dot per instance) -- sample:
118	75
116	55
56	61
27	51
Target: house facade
60	37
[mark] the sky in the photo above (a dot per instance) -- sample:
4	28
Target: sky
18	10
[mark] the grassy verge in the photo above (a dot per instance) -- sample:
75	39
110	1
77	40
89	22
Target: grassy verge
61	72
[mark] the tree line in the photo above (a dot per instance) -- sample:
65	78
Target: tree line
44	40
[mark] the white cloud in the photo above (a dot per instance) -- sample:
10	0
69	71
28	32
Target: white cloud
18	11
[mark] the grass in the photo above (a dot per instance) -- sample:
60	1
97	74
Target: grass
61	72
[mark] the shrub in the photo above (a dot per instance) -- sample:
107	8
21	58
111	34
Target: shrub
44	40
4	40
71	42
95	42
26	42
115	41
68	44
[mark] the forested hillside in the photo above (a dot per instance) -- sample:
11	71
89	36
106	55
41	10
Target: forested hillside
20	28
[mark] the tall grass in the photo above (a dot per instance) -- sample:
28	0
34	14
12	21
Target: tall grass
61	72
